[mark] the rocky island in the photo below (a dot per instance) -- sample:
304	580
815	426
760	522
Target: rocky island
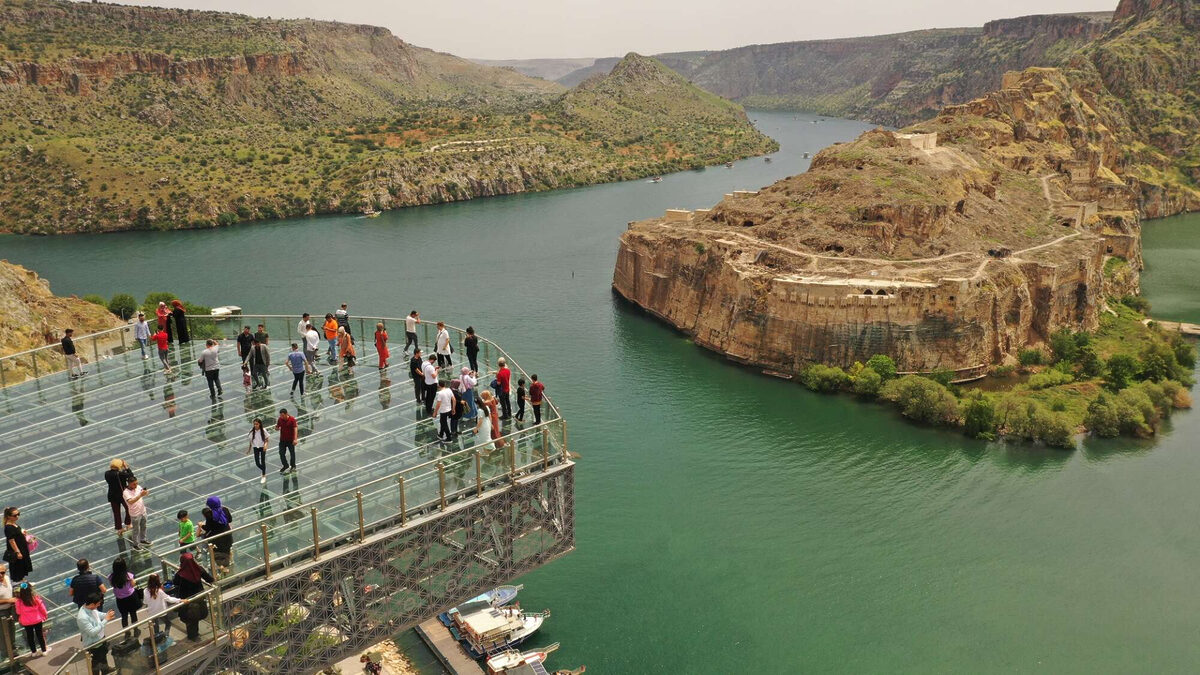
952	244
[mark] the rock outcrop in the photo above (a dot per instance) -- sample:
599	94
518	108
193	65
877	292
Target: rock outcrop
31	316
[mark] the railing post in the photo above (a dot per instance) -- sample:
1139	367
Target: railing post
87	657
545	448
35	368
510	449
478	474
563	423
212	617
212	560
96	353
123	346
2	382
403	504
362	533
316	535
154	646
266	551
442	485
10	644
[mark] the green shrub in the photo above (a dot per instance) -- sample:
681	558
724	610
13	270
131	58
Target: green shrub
1158	362
867	383
150	304
1029	419
96	299
943	376
1050	378
1136	399
1031	357
1053	428
922	399
884	365
1063	347
1103	417
1185	351
1121	368
123	305
1136	303
1003	371
1090	364
979	415
825	379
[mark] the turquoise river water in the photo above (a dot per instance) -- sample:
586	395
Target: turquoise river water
728	522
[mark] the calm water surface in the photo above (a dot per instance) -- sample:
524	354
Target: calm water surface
728	522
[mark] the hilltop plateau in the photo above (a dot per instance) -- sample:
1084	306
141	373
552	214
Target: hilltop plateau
119	117
959	243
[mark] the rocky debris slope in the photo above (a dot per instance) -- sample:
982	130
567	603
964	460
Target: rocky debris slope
31	316
951	245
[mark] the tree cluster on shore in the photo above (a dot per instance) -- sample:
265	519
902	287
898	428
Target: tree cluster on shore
1123	380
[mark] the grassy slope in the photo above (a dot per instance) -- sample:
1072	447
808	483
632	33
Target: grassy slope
353	122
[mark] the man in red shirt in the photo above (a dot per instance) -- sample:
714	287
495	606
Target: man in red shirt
504	376
535	398
286	426
164	345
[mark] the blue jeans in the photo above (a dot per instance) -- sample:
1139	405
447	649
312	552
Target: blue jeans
142	342
332	349
472	411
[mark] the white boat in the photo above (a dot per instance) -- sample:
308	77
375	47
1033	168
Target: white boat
225	312
484	629
513	662
656	179
498	597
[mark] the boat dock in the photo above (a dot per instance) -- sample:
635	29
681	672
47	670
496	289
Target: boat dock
448	650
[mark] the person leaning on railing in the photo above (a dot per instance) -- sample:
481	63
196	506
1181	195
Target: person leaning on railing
189	581
91	632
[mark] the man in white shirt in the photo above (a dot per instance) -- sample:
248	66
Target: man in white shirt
312	342
134	496
410	330
443	408
304	321
6	611
430	372
443	345
141	333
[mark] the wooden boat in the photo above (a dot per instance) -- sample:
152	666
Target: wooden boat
370	213
807	155
484	629
656	179
767	160
499	596
513	662
728	165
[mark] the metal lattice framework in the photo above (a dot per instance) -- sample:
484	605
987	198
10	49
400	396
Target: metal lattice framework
308	616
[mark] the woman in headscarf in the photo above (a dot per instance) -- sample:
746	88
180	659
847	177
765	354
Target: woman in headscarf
217	524
181	330
188	582
163	314
467	389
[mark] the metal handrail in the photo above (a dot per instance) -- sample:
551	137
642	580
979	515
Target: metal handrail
389	479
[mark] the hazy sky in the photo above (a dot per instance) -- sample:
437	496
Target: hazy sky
578	28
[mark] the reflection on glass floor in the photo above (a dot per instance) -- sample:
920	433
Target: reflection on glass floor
58	435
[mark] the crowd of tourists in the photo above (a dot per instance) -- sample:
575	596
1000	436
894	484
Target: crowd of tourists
454	397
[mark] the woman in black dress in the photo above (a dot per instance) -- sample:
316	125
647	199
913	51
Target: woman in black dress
180	316
117	478
471	343
16	547
217	523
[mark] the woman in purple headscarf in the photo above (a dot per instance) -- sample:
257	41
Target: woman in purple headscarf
217	523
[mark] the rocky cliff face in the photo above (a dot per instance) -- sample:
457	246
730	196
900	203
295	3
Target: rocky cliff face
31	316
82	76
951	245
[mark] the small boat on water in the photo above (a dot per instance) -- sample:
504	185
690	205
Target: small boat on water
656	179
370	213
728	165
499	596
513	662
807	155
225	312
484	629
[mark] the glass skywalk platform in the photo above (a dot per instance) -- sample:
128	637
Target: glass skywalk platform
366	448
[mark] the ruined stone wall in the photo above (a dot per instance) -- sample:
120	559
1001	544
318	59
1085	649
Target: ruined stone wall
783	322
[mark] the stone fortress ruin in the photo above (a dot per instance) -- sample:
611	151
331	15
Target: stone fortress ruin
950	245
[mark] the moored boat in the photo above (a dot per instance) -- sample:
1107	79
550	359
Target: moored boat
484	629
656	179
513	662
497	597
728	165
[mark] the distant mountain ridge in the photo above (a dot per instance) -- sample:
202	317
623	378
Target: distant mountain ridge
888	79
115	117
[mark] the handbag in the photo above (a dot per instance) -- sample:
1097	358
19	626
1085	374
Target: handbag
31	542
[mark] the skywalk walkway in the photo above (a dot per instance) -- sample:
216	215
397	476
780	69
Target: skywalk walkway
368	456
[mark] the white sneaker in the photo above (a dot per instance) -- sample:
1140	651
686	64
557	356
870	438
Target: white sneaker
262	480
45	651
